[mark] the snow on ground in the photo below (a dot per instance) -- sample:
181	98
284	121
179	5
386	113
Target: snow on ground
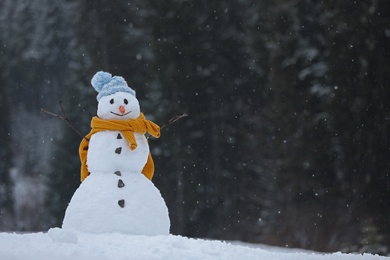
58	244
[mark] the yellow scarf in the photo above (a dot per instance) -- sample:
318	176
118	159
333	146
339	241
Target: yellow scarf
127	128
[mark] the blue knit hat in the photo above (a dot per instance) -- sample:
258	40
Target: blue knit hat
106	84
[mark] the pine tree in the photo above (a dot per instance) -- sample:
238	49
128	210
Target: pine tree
203	67
359	56
323	93
6	198
105	36
35	39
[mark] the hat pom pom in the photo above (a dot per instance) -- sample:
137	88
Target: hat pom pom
100	79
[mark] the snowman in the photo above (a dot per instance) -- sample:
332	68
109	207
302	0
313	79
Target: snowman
116	194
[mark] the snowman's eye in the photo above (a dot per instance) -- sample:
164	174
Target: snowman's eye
112	101
126	102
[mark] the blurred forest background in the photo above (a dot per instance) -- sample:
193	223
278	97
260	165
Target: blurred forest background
287	141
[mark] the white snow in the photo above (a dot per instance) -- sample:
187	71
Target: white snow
60	244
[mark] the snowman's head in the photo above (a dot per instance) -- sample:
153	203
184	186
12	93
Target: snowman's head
116	99
120	105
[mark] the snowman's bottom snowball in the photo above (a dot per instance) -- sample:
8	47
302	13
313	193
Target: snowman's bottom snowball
94	207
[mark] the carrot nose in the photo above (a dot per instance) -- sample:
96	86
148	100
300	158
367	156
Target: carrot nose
122	109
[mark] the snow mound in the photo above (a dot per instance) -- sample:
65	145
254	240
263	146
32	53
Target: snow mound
94	206
62	244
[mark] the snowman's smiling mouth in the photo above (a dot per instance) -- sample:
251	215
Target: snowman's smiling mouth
120	114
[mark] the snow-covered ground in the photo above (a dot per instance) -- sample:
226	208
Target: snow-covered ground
61	244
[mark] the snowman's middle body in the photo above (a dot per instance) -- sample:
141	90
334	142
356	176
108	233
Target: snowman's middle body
109	151
116	196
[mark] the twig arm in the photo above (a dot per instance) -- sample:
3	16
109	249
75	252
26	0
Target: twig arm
170	121
52	114
173	120
64	118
